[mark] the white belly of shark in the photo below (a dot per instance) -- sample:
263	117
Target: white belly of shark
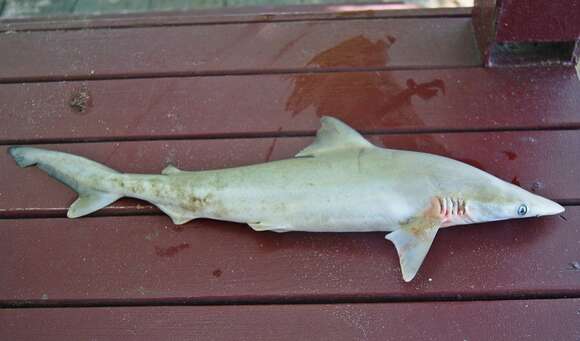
340	183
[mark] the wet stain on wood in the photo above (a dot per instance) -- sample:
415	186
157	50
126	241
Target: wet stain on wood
425	91
271	147
375	97
536	186
289	45
170	251
510	155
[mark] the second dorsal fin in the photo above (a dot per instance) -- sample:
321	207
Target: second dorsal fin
334	135
171	169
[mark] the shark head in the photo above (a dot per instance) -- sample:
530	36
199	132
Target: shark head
473	196
500	200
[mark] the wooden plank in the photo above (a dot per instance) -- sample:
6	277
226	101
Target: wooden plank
539	20
223	16
545	162
514	32
501	320
394	101
145	259
484	20
520	21
237	48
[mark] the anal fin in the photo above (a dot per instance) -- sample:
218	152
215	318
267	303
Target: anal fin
412	242
171	169
178	215
258	226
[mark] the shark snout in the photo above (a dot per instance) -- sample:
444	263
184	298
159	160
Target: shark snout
544	206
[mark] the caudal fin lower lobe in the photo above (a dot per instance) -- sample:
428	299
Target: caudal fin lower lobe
82	175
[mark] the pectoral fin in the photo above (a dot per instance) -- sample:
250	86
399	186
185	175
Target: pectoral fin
412	242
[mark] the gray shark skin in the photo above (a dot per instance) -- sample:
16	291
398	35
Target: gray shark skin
340	183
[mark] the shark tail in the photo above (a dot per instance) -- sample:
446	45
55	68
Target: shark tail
80	174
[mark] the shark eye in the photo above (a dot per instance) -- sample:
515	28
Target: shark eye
522	210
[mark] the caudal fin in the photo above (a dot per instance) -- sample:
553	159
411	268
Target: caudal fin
84	176
21	157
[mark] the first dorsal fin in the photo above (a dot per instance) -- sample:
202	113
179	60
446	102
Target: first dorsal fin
334	135
171	169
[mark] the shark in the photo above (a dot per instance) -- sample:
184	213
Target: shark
339	183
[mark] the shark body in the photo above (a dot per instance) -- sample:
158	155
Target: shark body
340	183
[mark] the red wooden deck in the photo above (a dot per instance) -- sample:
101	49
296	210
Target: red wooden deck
210	92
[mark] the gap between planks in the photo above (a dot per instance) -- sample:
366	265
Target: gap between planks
282	300
222	73
281	134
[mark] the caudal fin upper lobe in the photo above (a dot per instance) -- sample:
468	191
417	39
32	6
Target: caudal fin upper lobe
84	176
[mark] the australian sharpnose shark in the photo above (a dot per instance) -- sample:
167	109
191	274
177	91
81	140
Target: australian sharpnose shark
340	183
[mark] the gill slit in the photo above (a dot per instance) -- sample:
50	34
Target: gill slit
452	207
